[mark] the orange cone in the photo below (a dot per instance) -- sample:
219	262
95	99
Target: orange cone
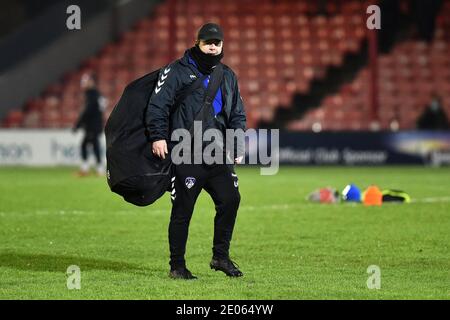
372	196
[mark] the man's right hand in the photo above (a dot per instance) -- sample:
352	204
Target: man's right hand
159	148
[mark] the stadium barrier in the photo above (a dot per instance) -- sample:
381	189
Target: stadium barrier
365	148
61	147
41	147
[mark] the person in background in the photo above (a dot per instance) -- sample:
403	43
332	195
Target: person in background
425	14
219	180
434	116
91	120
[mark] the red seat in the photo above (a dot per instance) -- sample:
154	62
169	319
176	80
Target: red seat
277	49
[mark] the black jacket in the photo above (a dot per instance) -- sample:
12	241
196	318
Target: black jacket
162	118
91	119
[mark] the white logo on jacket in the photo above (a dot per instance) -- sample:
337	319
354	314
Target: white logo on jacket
160	83
190	181
173	193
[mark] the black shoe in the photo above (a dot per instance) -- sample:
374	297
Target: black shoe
227	266
181	273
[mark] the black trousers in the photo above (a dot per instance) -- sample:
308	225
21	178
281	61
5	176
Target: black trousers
91	138
221	182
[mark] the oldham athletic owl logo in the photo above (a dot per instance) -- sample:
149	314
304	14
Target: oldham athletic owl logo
189	182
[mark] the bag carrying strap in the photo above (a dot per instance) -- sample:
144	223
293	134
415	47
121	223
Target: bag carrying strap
185	92
182	94
213	86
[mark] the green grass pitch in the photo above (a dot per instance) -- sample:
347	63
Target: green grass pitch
286	247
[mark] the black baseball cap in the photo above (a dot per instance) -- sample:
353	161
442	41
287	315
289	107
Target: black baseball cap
210	31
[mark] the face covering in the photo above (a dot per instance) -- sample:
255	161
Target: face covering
435	106
205	62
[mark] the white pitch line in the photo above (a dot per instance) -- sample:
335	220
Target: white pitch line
291	206
247	208
432	200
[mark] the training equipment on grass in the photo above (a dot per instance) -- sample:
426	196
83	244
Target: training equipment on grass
372	196
324	195
390	195
351	193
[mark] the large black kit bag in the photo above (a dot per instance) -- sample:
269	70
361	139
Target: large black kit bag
132	170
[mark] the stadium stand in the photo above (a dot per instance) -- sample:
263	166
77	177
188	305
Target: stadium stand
268	45
408	76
